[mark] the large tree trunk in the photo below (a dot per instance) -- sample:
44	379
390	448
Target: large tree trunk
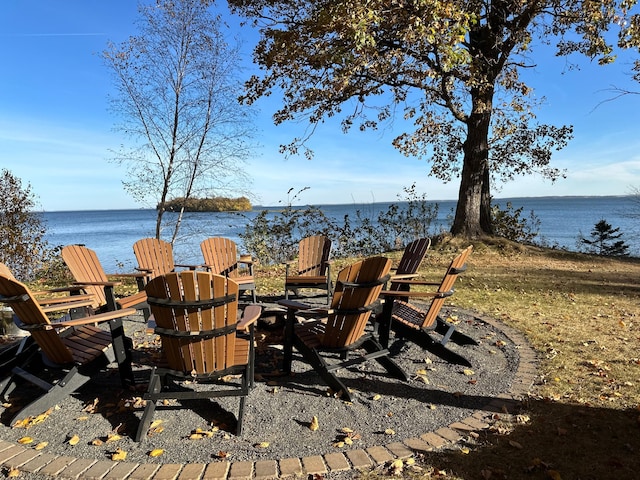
473	212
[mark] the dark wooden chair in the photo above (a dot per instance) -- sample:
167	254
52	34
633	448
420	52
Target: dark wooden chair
196	317
342	328
409	263
87	271
221	257
312	269
412	323
76	349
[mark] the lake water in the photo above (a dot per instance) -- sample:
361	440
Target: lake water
111	233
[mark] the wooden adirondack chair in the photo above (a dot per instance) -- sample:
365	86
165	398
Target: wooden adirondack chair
414	324
155	258
85	267
221	257
313	266
411	259
50	297
76	348
343	329
195	314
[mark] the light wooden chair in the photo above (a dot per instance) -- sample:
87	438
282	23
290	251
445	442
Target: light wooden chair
312	269
76	349
221	257
196	317
87	270
414	324
50	297
155	258
341	327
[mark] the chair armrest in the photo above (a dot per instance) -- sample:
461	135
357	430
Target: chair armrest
190	267
104	284
413	282
398	277
127	275
397	293
102	317
250	316
293	305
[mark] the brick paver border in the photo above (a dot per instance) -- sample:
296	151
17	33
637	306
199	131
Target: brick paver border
45	464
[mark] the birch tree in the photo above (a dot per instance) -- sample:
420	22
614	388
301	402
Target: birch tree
177	85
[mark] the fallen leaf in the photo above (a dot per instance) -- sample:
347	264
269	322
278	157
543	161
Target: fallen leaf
119	455
113	437
346	430
74	440
41	446
314	425
554	474
376	397
25	440
222	454
262	445
389	431
97	442
465	450
156	452
468	371
12	473
515	444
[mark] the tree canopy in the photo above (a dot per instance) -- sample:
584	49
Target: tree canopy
449	68
177	87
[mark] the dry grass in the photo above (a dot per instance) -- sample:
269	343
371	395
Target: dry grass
581	314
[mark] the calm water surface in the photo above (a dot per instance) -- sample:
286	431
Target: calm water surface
111	233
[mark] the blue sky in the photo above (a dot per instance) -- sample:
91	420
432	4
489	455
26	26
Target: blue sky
56	132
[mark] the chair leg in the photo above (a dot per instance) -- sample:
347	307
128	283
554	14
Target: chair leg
122	351
320	366
449	332
240	415
389	365
427	342
155	387
71	382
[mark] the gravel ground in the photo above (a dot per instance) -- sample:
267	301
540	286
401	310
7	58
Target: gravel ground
279	409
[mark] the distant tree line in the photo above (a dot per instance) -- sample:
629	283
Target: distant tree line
214	204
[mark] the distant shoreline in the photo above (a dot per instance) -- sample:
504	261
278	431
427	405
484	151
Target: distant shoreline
320	205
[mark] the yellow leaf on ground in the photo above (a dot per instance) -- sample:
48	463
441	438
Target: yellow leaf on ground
554	475
376	397
96	442
41	445
113	437
119	455
468	371
74	440
389	431
25	440
13	473
262	445
346	430
156	452
314	425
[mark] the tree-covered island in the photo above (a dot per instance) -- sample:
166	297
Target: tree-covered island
214	204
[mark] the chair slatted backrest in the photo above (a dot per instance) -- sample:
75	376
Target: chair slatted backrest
411	259
313	255
196	318
221	256
457	266
85	267
154	255
28	310
6	271
357	288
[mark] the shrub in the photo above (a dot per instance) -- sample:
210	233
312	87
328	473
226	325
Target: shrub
22	245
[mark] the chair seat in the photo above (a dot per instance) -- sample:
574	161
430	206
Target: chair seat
408	315
132	300
87	343
307	280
